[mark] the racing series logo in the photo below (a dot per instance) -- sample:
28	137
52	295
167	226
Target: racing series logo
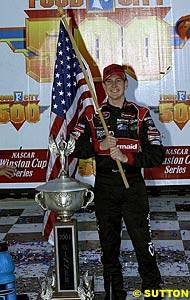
175	108
19	108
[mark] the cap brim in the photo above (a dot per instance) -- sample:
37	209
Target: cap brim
120	74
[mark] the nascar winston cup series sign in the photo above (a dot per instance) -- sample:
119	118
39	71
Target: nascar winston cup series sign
149	37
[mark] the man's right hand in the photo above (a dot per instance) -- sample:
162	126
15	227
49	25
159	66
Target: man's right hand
108	142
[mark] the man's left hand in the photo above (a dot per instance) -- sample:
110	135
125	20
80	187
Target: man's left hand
116	154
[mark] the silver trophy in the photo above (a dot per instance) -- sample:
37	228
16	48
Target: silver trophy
65	196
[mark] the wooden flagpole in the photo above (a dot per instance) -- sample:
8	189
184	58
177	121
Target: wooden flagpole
91	90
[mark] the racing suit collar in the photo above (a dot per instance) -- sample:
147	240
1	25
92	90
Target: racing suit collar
114	107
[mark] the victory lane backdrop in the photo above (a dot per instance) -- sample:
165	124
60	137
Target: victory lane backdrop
156	57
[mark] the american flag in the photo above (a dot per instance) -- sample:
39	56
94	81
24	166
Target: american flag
70	97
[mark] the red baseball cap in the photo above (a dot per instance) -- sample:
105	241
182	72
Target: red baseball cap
114	69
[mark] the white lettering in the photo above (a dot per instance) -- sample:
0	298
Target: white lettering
131	146
187	160
175	170
24	173
174	160
36	163
23	155
178	151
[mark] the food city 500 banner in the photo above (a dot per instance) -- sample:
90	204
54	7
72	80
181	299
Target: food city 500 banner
140	34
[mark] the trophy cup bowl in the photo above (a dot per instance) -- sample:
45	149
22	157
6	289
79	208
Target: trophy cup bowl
64	195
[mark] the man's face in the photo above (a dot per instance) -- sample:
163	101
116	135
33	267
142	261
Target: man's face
115	87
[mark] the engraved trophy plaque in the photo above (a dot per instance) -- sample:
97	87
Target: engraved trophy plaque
65	195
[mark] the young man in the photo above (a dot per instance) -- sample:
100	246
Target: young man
135	142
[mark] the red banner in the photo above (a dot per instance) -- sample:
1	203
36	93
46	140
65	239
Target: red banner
30	165
175	165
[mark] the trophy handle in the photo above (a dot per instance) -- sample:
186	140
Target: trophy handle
39	199
90	200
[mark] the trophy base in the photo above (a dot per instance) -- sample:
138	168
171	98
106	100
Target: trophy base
66	296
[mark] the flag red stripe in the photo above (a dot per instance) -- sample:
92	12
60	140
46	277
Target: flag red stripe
57	124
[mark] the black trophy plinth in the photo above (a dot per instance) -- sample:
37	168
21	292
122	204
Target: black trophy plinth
66	260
